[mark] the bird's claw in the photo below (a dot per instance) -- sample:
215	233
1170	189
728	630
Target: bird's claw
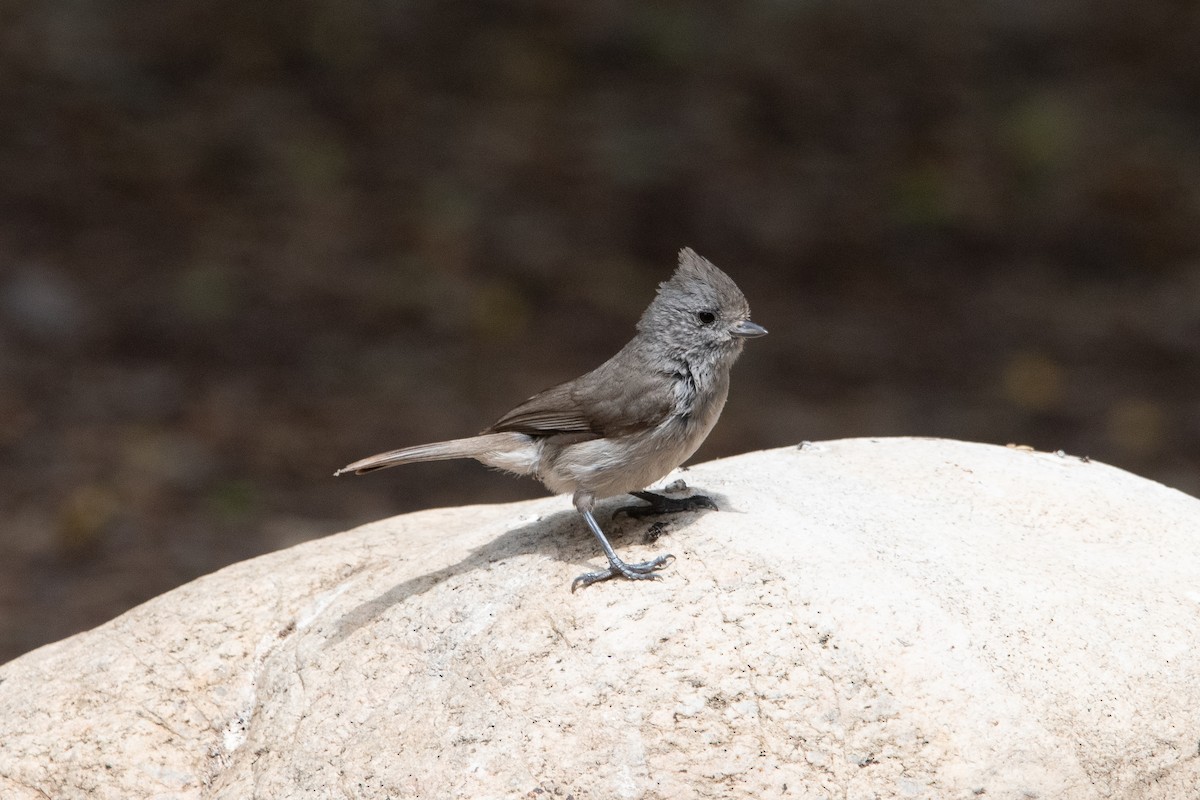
661	504
641	571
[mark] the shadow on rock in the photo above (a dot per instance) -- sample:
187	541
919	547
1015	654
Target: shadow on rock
563	535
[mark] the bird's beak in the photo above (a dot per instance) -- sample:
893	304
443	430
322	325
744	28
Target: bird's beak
748	330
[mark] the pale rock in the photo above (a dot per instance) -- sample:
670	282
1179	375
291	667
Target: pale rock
864	618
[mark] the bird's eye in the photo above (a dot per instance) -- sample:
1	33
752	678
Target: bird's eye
706	317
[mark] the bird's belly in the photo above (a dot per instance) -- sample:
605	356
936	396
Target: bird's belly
612	466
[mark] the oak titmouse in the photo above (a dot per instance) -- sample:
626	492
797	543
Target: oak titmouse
630	421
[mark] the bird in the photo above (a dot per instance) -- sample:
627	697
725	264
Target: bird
627	423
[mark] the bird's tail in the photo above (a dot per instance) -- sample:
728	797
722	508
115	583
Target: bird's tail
489	448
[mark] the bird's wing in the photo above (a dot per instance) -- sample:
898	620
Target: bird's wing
545	414
594	404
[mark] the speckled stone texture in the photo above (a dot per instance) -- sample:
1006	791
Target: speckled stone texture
863	619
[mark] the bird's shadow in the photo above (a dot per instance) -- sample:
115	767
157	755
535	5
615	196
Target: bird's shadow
563	534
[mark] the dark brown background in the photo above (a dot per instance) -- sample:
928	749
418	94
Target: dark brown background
244	243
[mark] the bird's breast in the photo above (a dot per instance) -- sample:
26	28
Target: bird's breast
635	458
699	388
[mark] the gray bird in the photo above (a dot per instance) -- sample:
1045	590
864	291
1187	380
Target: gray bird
630	421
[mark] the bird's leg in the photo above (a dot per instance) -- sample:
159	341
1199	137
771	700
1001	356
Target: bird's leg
661	504
616	567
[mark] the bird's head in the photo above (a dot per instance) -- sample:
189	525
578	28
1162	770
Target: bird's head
699	309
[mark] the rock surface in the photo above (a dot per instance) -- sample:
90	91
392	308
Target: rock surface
865	618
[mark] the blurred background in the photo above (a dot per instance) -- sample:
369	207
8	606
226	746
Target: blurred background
242	244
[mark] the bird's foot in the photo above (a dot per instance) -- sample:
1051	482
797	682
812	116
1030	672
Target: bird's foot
641	571
661	504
